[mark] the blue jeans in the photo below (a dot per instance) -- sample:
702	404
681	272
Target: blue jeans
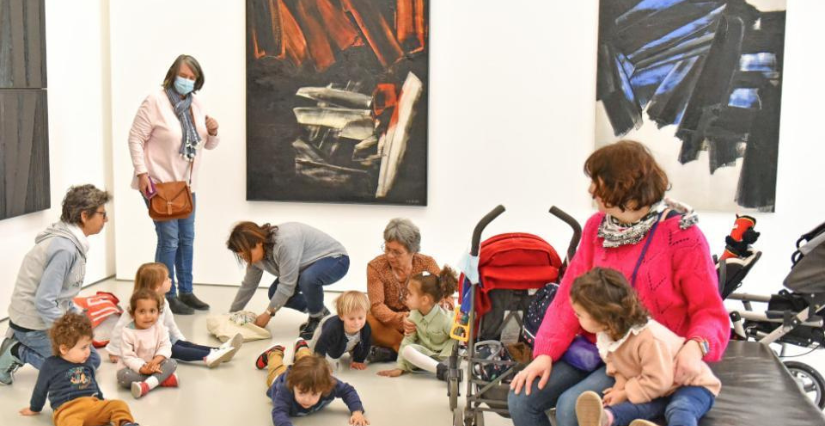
309	296
684	408
188	351
36	346
565	385
175	249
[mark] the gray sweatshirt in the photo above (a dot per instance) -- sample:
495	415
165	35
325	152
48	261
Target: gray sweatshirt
295	247
49	278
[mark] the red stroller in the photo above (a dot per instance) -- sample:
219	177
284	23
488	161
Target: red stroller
497	287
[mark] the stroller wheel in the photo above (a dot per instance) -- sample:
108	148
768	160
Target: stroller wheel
479	418
809	380
452	391
458	417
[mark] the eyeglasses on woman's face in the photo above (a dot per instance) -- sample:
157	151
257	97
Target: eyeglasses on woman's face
393	249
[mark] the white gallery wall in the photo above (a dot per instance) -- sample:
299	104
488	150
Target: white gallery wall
77	54
511	121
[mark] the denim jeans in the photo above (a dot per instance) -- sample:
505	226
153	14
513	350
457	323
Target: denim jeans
684	408
175	249
309	296
565	385
188	351
36	346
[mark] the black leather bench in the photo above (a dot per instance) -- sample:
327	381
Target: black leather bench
757	390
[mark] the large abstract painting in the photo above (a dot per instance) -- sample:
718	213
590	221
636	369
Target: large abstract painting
700	83
24	136
336	96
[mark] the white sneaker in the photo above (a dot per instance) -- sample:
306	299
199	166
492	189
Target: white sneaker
234	344
217	356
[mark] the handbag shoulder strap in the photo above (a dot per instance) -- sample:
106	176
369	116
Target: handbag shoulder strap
644	250
192	166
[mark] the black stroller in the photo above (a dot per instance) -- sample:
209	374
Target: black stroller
792	317
502	276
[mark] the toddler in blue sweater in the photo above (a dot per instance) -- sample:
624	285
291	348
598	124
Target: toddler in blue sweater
68	379
305	387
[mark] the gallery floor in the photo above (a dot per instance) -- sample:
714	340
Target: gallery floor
233	393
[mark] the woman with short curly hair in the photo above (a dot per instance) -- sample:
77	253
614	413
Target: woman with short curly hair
50	276
650	239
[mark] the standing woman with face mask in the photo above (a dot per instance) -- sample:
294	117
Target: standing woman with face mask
168	132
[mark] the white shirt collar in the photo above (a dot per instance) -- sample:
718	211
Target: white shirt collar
81	237
606	345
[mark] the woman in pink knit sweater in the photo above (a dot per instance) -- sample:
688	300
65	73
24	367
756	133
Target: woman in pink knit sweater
675	279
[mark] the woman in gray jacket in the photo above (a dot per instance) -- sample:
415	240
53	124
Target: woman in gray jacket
50	277
303	258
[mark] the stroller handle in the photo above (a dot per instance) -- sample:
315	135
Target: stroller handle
496	212
577	230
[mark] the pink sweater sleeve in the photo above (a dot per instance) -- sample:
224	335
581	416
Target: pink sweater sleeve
560	326
139	134
695	276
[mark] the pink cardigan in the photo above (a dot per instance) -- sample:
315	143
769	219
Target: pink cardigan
155	139
677	283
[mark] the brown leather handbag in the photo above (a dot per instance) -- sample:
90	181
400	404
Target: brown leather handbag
173	200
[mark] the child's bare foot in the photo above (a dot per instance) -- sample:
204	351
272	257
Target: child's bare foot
640	422
391	373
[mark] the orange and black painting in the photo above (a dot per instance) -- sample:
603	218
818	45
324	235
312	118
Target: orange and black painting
336	96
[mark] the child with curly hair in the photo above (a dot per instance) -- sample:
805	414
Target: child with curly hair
639	354
68	379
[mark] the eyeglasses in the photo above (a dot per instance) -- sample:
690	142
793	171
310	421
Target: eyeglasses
103	213
390	252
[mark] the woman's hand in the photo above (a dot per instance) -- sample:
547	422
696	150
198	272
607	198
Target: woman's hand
28	412
143	184
540	367
613	396
688	363
263	319
358	419
391	373
113	358
211	126
409	326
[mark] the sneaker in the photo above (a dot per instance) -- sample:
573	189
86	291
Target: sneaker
325	313
590	410
310	327
640	422
178	307
263	359
193	302
300	343
130	424
380	354
8	362
217	356
171	381
234	344
441	371
139	389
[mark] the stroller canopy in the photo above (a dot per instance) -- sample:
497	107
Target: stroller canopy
808	272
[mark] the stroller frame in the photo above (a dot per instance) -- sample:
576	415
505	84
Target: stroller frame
478	391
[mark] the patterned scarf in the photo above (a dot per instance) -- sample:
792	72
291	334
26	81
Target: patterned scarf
617	234
190	139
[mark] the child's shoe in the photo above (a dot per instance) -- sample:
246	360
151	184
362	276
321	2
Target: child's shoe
234	343
217	356
379	354
170	382
263	359
300	343
441	371
139	389
590	410
640	422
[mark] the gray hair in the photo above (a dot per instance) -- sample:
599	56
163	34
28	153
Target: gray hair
404	232
83	198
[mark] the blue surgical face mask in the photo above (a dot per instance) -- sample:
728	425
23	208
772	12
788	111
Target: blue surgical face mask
184	85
